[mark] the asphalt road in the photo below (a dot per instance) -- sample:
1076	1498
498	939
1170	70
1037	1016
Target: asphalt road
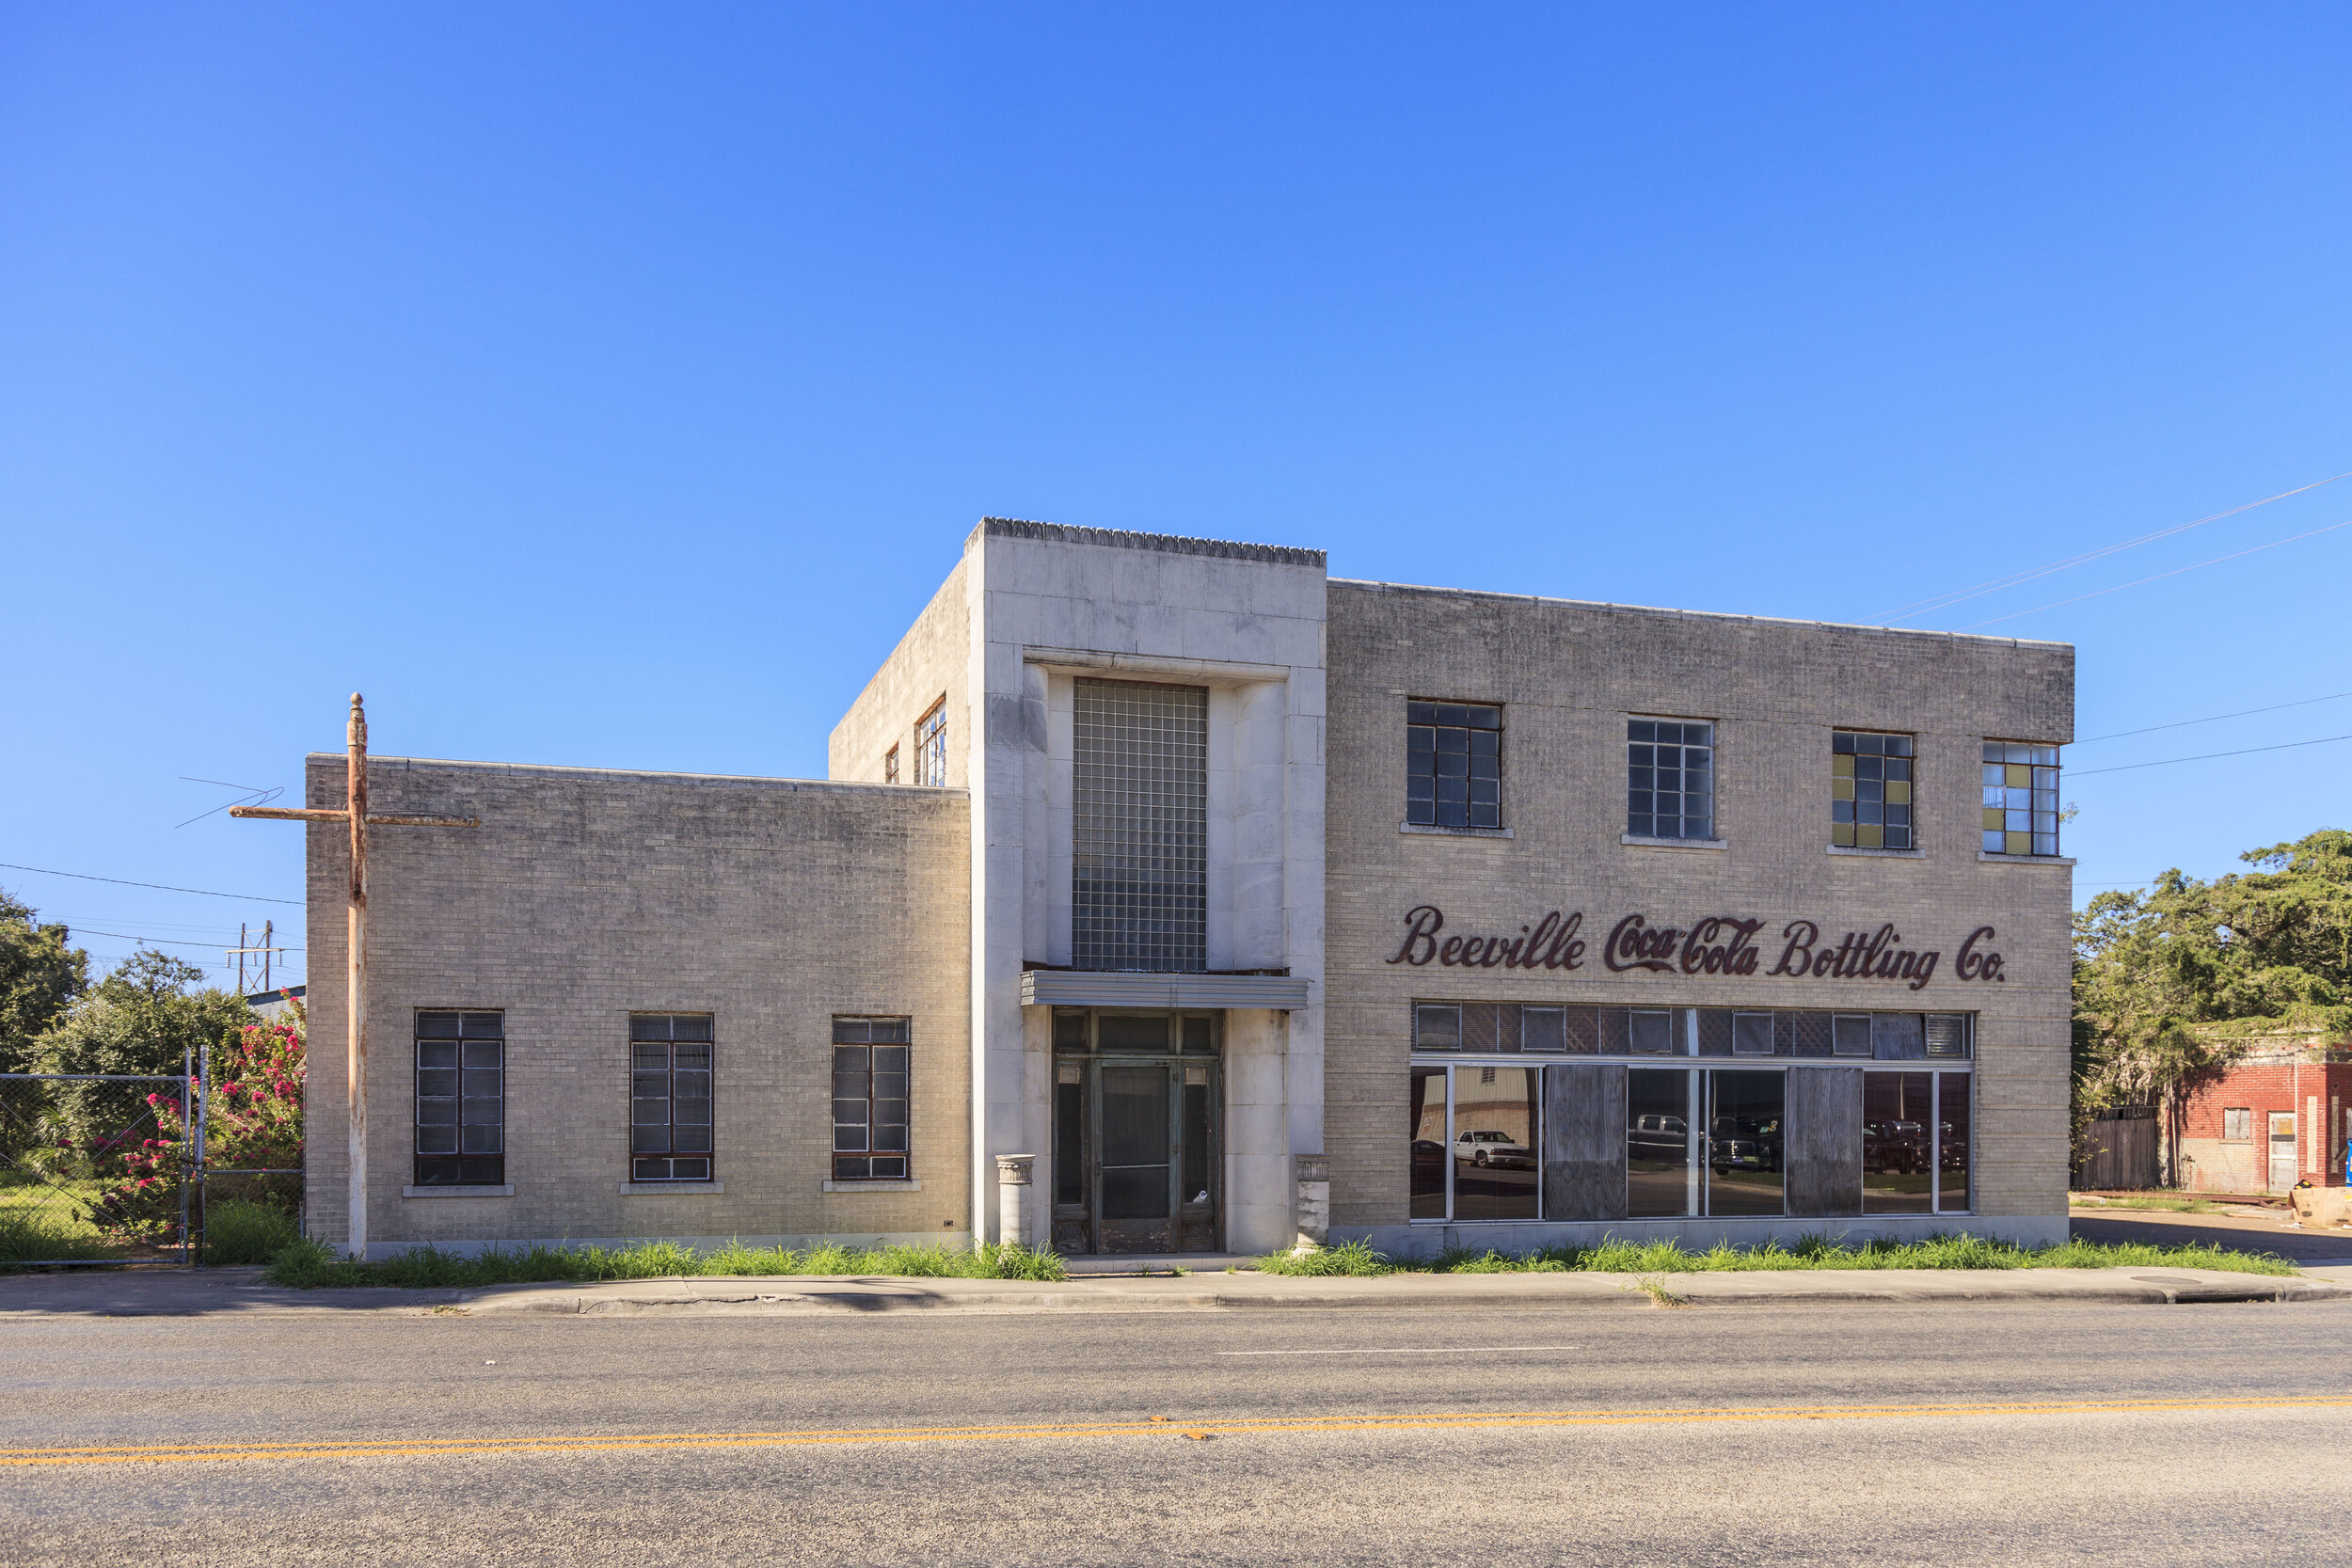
1730	1435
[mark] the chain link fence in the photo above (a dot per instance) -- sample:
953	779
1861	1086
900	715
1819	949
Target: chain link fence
109	1168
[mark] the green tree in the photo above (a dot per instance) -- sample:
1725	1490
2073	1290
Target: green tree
149	1014
2165	977
40	979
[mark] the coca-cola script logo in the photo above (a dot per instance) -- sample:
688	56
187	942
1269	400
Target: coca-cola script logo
1717	944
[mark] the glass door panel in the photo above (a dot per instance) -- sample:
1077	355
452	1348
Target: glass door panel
1428	1156
1895	1160
1952	1143
1746	1115
1495	1140
1658	1172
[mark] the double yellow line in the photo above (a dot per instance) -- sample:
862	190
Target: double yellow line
1153	1427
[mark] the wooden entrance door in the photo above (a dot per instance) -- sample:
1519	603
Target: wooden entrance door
2281	1151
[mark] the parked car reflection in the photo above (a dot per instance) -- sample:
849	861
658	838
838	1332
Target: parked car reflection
1897	1146
1487	1146
1744	1143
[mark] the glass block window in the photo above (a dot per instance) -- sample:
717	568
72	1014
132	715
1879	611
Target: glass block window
1670	779
2021	790
1870	790
869	1098
1139	891
931	746
668	1137
1453	765
460	1100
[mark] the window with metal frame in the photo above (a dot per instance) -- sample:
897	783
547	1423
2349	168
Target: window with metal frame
870	1099
1870	790
1670	779
2020	799
931	746
890	766
670	1082
460	1100
1453	765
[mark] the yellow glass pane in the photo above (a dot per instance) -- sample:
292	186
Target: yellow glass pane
2020	776
1873	836
1841	790
1841	768
1994	819
1841	834
2021	843
1898	794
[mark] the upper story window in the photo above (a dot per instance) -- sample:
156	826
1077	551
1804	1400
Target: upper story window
1670	779
1140	826
1870	790
668	1096
931	746
890	766
2021	790
460	1100
1454	765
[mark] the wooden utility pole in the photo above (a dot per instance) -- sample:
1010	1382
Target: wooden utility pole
355	813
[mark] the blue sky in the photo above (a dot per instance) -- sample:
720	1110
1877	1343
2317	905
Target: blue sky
609	384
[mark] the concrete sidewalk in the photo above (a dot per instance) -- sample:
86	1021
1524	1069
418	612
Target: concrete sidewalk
240	1291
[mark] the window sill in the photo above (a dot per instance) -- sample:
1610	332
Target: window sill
674	1186
1674	842
2025	860
505	1191
1884	854
901	1185
1453	832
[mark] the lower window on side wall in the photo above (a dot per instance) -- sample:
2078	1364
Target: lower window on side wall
460	1100
669	1081
869	1098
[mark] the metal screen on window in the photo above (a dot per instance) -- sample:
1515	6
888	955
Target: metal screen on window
670	1096
460	1100
1139	891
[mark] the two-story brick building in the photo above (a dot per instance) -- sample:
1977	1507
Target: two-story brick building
1231	895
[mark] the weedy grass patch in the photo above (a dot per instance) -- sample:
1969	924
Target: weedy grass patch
237	1231
308	1264
1611	1256
30	1235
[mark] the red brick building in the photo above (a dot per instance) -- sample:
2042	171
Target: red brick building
2275	1118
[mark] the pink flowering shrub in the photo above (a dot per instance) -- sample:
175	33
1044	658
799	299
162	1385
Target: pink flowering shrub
254	1123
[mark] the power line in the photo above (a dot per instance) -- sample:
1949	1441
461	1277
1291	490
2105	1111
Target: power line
166	941
162	887
2159	577
1944	601
2284	746
2243	712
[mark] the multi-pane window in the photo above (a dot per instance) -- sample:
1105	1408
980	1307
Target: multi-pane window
931	746
869	1098
1870	790
2021	790
460	1100
890	766
1139	867
1453	765
1670	779
668	1096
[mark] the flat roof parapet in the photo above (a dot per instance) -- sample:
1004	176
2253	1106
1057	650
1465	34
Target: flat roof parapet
1169	544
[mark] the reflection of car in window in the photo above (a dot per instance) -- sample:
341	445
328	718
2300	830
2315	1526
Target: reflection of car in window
1429	1161
1743	1143
1899	1148
1487	1146
1659	1138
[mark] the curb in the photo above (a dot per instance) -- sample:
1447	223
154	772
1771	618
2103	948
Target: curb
2146	1290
